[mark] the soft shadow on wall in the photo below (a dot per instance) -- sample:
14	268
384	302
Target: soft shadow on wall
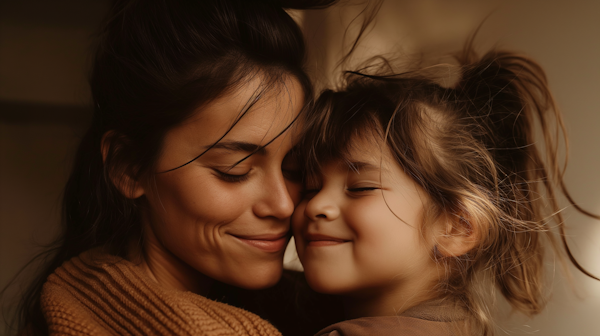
44	110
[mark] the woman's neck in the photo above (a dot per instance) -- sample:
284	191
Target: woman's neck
167	269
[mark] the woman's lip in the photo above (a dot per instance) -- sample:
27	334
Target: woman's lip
266	242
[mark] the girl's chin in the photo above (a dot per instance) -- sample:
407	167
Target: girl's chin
322	283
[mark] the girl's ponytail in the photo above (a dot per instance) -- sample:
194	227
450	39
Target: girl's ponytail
506	98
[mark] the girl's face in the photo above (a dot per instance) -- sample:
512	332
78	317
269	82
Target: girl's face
210	221
357	229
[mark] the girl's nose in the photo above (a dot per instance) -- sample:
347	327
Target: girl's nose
322	206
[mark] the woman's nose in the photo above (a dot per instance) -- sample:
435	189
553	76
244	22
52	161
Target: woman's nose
322	206
275	199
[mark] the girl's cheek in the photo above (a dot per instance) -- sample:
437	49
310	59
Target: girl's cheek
366	208
295	191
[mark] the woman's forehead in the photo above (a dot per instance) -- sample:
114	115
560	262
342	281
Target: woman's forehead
260	113
252	115
253	110
253	93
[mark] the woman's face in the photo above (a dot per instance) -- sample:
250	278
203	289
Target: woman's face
213	220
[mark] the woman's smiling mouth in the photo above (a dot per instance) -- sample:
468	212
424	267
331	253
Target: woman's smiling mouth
267	242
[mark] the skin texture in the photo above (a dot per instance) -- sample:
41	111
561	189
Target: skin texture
210	221
357	234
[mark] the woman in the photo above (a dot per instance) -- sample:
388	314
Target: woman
183	180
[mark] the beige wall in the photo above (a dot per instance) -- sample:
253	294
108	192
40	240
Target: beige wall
43	111
43	53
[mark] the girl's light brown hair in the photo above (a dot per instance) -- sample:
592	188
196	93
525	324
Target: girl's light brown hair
473	148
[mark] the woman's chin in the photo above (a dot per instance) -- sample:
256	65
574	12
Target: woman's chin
258	279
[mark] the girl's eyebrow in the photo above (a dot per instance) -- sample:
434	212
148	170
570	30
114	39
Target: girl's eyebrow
240	146
358	166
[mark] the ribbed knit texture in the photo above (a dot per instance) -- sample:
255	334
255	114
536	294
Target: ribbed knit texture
99	294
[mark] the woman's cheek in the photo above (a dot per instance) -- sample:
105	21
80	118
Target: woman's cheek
198	201
298	222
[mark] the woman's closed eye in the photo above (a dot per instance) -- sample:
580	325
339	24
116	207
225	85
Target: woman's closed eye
232	175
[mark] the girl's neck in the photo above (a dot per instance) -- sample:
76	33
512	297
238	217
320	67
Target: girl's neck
389	301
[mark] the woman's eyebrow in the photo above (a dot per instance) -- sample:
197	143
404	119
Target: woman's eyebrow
240	146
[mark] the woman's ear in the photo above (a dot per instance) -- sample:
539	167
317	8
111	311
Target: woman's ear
118	174
456	236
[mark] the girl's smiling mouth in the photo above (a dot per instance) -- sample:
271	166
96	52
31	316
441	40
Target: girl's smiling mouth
323	240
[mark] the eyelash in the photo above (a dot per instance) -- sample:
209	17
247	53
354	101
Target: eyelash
306	193
362	189
232	178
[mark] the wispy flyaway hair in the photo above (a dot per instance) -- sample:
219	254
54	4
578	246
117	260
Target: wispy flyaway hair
472	147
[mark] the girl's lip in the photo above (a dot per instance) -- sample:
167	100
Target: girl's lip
266	242
323	240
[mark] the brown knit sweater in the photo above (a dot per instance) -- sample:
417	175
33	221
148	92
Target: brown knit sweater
100	294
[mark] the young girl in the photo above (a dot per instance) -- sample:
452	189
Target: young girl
421	200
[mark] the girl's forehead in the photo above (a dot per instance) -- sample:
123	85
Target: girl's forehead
365	148
363	154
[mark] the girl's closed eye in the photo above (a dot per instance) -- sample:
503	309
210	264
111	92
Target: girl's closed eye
363	181
361	189
291	169
311	186
293	175
363	178
309	190
309	193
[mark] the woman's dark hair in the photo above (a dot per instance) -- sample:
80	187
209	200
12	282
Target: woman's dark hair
472	148
156	62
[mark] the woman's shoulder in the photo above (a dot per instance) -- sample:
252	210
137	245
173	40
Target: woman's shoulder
98	293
